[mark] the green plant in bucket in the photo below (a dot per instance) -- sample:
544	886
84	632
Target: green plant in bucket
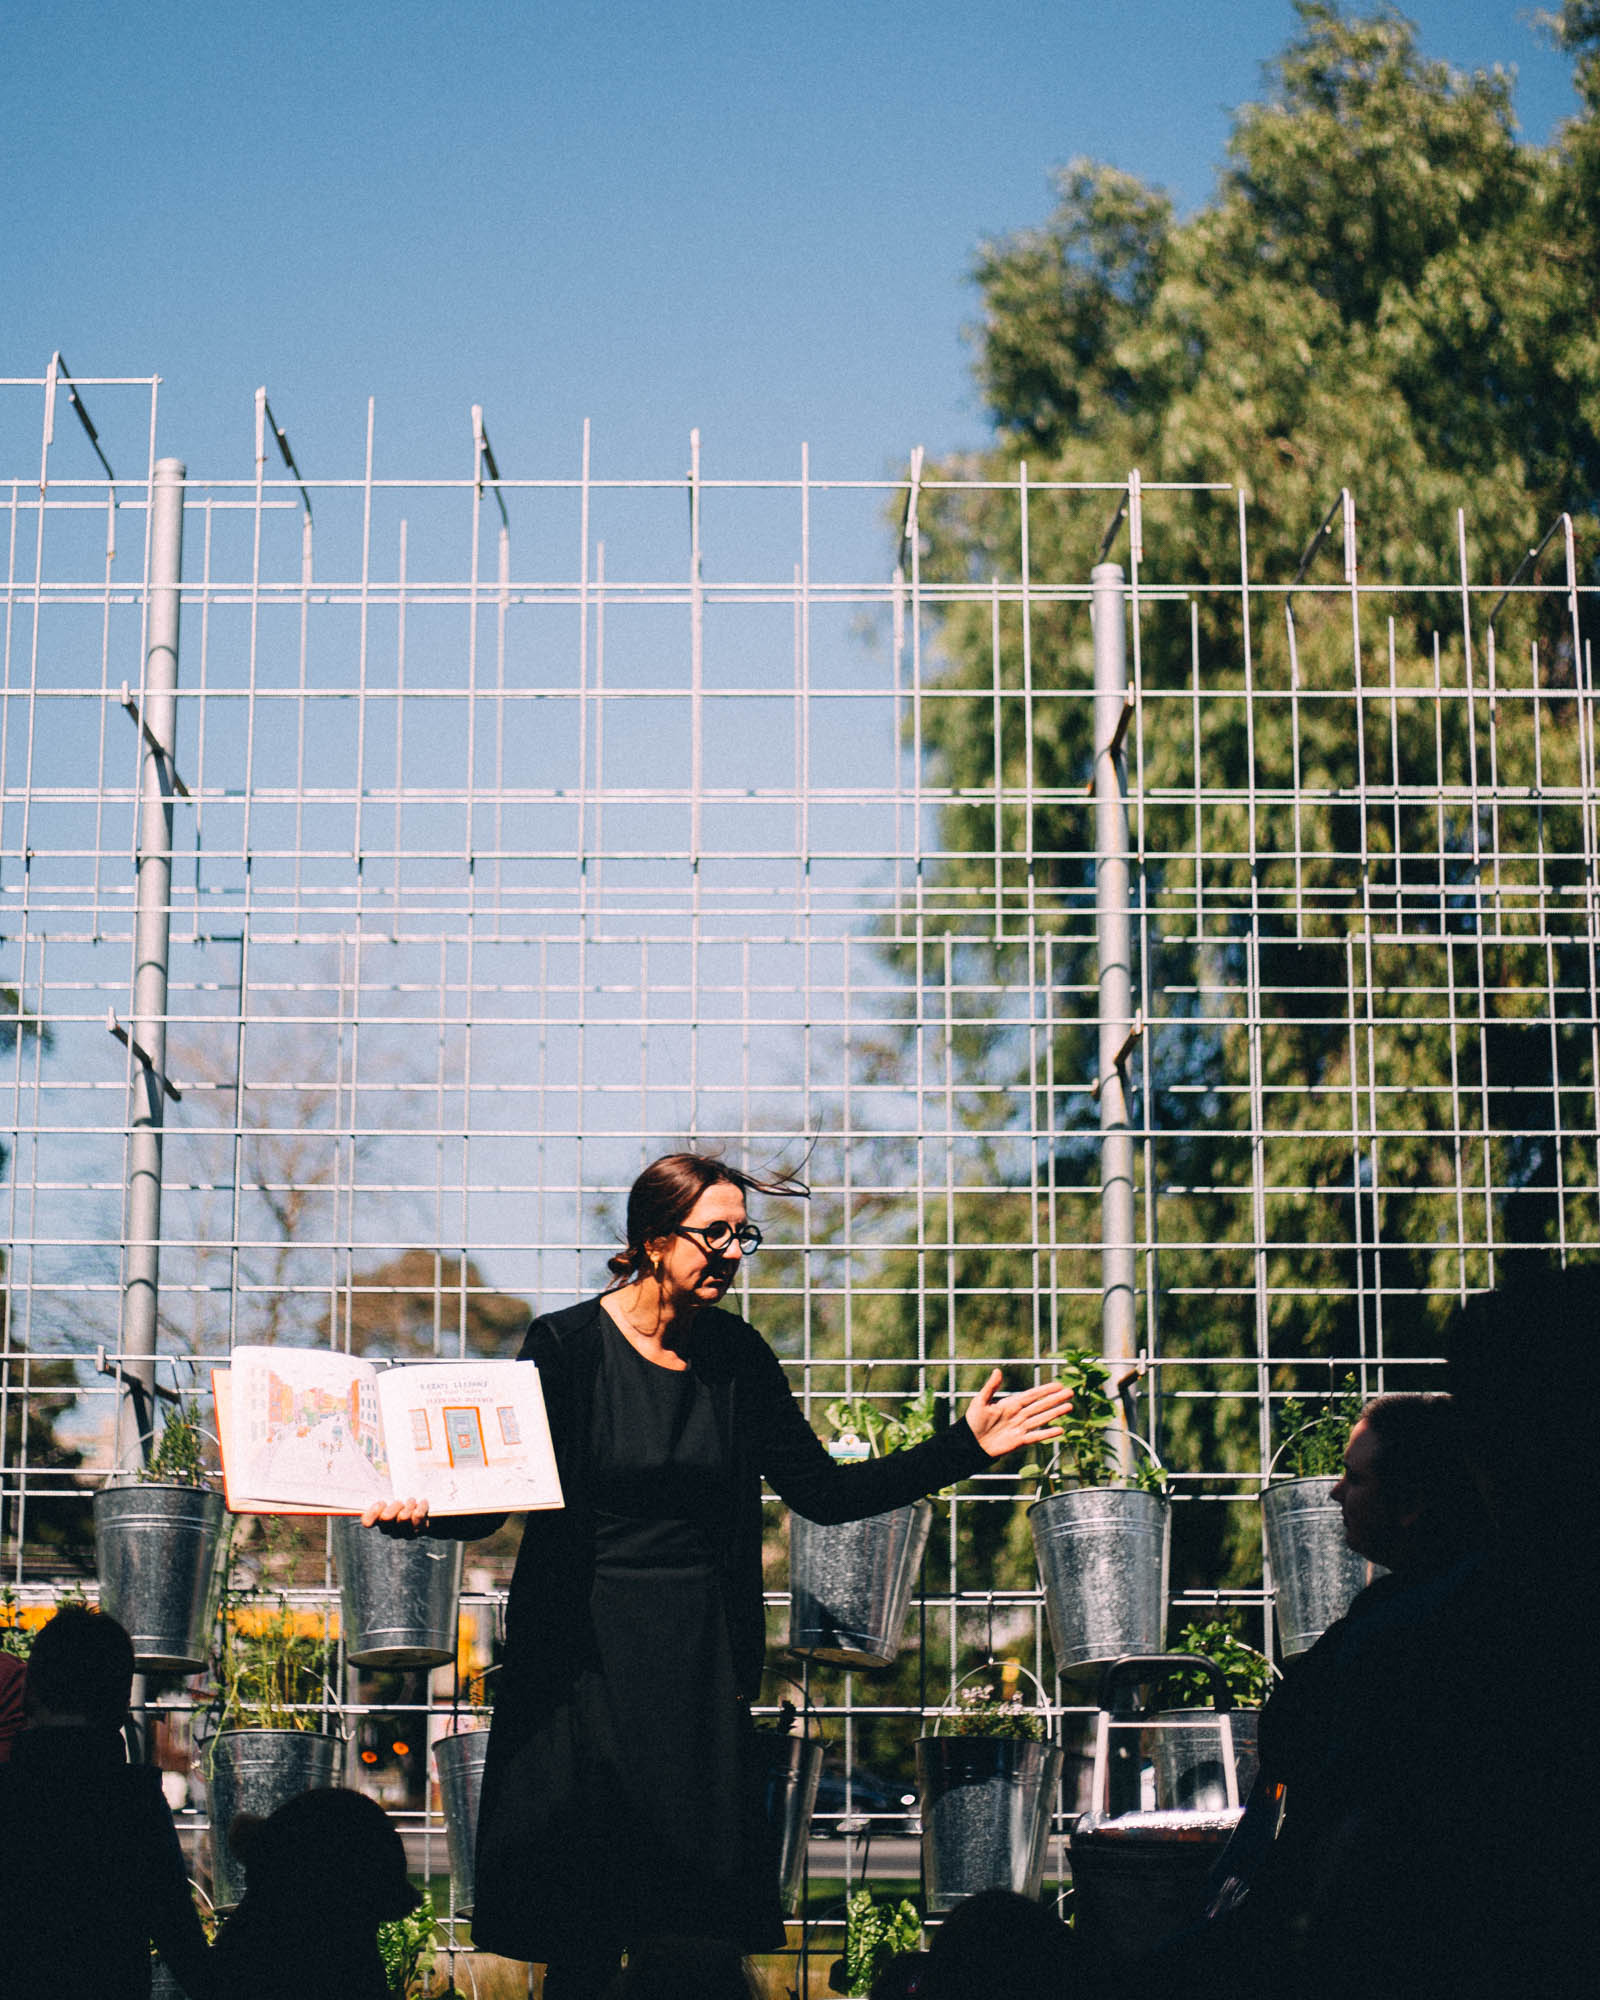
176	1459
1087	1453
1313	1445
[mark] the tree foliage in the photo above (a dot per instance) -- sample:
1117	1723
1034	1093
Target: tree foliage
1387	292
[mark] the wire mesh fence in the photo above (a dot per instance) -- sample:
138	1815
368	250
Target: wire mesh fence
522	829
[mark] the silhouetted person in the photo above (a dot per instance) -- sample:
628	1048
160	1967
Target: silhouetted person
91	1873
321	1874
1353	1890
685	1968
13	1681
996	1943
1514	1761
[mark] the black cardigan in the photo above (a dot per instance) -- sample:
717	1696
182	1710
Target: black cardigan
764	1434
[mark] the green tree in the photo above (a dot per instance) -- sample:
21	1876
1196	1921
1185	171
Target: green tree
1387	292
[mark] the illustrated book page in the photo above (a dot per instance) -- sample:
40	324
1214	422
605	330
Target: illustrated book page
305	1430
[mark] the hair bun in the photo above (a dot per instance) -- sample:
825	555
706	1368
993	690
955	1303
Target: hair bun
621	1264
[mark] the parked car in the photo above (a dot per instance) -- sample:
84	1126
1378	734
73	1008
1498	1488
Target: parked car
876	1805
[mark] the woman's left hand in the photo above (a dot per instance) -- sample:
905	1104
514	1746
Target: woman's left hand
1027	1418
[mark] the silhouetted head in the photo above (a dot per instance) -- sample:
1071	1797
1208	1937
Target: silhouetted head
333	1858
685	1968
1407	1493
81	1670
998	1942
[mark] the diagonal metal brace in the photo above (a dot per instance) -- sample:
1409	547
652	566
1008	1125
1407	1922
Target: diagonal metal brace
153	740
1134	1037
141	1055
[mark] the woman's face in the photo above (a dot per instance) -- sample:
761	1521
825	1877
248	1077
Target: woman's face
688	1273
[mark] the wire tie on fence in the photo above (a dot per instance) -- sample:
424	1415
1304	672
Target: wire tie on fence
908	532
1134	1036
156	745
1113	749
141	1055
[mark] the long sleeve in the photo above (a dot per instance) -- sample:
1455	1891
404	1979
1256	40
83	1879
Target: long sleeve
174	1925
798	1468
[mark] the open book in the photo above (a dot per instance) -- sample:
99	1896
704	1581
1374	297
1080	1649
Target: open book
304	1430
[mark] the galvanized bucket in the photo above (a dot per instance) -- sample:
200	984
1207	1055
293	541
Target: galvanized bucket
986	1806
1139	1877
155	1548
850	1584
792	1770
459	1762
1103	1554
399	1600
1315	1573
1187	1749
256	1771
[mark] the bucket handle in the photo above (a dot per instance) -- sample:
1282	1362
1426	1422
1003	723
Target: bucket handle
989	1666
1147	1666
132	1475
1122	1430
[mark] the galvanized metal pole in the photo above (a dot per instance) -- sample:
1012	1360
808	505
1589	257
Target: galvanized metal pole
141	1281
1114	935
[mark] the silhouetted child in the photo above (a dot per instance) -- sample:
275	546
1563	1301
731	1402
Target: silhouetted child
998	1942
685	1968
91	1873
320	1876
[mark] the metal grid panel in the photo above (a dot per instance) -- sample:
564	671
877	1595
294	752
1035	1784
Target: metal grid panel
521	841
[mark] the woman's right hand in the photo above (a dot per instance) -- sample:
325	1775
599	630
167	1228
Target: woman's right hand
397	1517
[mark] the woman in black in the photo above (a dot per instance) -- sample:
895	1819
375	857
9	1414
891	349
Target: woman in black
620	1796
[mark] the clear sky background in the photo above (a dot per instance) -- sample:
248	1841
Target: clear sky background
752	217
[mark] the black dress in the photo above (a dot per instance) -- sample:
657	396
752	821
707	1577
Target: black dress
620	1795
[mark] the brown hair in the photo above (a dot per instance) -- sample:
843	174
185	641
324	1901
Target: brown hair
665	1193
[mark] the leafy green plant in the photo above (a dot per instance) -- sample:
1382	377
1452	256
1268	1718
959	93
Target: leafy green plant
1313	1445
873	1934
914	1423
176	1458
986	1710
16	1634
1087	1453
408	1949
1247	1672
273	1674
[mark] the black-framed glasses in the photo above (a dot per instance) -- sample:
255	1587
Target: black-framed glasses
717	1236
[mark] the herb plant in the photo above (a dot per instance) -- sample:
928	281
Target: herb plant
1247	1672
1313	1446
273	1675
406	1946
176	1459
914	1423
16	1636
873	1934
984	1710
1087	1453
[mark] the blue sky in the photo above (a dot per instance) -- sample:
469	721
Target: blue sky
751	217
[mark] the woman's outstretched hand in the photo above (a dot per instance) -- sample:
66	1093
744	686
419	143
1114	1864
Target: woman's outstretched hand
1025	1419
397	1517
